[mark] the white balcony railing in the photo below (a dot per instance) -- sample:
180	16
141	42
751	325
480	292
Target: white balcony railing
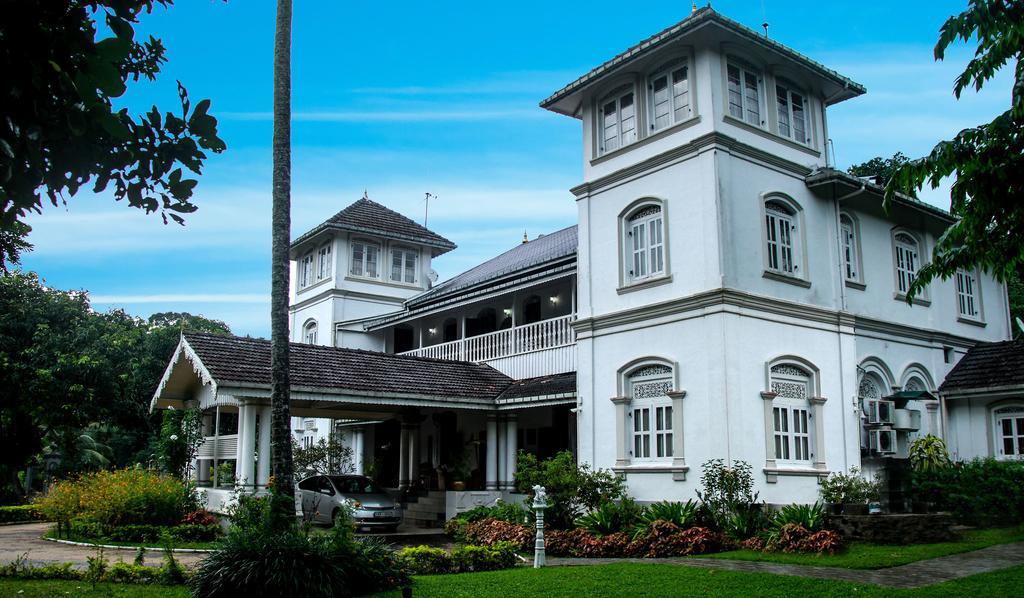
540	336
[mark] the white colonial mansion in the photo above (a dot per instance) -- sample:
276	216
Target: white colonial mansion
727	293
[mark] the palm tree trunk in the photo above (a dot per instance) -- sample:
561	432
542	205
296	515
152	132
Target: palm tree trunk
281	445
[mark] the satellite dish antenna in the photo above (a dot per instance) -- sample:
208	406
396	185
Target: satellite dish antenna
432	277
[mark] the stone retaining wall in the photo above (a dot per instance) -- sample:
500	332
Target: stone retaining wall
894	528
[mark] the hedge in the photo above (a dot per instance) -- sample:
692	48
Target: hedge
20	514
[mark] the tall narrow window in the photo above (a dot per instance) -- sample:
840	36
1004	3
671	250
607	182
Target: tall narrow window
309	332
792	110
744	95
618	122
906	261
364	259
651	412
403	265
323	262
967	295
1009	432
780	231
848	237
306	270
645	243
791	412
669	93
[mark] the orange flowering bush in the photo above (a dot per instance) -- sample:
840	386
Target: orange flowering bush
122	497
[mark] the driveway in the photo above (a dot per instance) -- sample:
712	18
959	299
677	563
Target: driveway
26	540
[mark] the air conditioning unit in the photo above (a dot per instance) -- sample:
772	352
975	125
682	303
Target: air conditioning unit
883	442
907	419
879	412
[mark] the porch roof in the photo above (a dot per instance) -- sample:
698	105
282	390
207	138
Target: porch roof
987	366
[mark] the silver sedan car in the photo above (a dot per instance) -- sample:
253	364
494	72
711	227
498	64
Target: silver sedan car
325	496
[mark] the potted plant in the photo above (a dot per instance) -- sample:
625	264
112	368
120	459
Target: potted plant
848	493
834	490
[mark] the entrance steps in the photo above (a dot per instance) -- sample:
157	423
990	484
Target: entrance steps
426	509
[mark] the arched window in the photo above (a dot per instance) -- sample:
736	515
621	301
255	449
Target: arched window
365	259
908	261
850	247
871	387
617	120
644	243
1008	434
309	332
781	236
650	412
793	387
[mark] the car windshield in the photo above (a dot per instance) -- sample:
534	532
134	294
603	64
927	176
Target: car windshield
355	485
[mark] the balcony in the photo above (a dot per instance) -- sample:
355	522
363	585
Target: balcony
537	349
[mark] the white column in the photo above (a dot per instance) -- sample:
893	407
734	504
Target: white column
491	468
246	446
500	445
358	455
263	464
511	450
403	457
933	418
621	431
414	453
678	457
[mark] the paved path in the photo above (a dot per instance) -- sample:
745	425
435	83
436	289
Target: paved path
17	540
912	575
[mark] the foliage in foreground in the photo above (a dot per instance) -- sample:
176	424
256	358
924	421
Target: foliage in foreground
572	489
980	492
430	560
258	558
100	570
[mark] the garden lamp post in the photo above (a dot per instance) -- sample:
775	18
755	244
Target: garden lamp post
540	502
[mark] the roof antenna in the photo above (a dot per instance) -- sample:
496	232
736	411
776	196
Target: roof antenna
764	19
426	208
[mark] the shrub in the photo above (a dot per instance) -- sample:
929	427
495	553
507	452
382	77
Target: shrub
666	539
979	492
85	530
121	572
572	489
425	560
99	570
20	513
928	453
788	538
848	488
612	517
502	555
683	514
810	517
200	517
492	531
746	521
822	542
727	489
120	497
505	511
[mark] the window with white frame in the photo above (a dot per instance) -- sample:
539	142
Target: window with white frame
403	264
1009	432
967	301
792	113
323	262
744	94
669	96
907	260
645	243
848	238
306	270
791	413
617	121
309	332
651	413
780	234
364	259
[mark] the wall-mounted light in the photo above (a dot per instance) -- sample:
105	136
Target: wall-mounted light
508	312
432	331
554	299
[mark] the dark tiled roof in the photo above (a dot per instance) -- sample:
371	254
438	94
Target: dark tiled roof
988	365
247	360
542	386
824	176
559	244
367	216
698	17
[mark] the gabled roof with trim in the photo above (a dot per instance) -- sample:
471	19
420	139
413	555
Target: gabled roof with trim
369	217
698	18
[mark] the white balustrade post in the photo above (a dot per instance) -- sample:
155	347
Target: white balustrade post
540	503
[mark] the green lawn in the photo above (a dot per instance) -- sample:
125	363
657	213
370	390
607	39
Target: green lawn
633	579
862	555
52	533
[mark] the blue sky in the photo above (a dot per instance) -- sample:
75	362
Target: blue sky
403	98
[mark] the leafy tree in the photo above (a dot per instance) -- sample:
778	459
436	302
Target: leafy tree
59	129
1015	289
878	168
572	489
987	161
283	515
328	456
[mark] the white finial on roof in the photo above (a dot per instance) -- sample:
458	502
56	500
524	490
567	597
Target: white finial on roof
693	7
365	195
525	238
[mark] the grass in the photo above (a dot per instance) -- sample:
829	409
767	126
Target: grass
643	580
52	533
636	579
862	555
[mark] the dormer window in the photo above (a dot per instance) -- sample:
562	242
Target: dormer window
364	259
323	262
745	95
792	109
403	265
669	94
306	270
618	120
